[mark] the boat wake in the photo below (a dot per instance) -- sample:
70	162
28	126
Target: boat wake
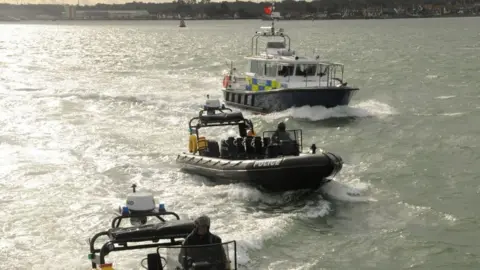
269	214
369	108
300	200
337	191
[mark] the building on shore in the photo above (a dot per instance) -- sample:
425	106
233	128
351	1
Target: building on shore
71	13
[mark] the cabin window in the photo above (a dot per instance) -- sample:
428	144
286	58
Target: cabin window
254	66
257	67
322	70
285	70
261	68
306	70
271	69
275	45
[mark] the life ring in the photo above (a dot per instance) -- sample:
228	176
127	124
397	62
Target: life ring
192	144
226	81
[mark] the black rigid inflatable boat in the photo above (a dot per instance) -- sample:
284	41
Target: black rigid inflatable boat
272	165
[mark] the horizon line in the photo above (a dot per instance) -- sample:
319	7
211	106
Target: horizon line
117	2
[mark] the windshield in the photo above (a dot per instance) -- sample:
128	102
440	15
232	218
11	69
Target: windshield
275	45
306	70
285	70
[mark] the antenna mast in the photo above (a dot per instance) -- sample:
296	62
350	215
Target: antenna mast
273	19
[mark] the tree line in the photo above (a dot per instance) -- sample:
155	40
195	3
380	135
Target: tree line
250	9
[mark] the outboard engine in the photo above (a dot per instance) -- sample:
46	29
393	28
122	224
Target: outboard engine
249	147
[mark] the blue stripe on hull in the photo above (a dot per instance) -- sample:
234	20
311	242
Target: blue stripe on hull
273	101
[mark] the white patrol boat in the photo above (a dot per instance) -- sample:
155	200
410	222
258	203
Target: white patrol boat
277	78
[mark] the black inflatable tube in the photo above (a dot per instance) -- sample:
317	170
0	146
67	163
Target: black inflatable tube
307	171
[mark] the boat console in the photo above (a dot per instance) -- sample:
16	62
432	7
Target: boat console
165	235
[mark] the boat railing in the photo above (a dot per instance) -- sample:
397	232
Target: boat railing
241	80
332	73
269	32
221	119
175	256
158	214
212	106
326	74
215	120
120	239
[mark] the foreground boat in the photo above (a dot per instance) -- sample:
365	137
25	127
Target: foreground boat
277	78
273	166
166	236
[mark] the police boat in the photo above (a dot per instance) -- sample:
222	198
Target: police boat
274	166
164	235
277	78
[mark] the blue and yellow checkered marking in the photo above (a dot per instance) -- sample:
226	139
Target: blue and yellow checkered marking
254	84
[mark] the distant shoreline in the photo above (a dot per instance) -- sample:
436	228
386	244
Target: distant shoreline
241	19
287	10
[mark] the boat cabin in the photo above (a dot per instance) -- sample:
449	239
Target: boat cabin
290	72
277	66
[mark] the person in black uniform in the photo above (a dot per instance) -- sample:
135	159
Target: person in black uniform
281	134
214	255
282	143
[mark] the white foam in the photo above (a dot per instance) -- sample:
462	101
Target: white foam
425	209
445	97
368	108
453	114
343	192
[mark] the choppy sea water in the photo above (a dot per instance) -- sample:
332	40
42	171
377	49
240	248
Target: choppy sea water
88	108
